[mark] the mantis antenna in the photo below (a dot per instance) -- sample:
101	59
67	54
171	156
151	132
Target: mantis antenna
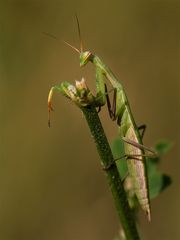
77	50
79	33
80	38
54	37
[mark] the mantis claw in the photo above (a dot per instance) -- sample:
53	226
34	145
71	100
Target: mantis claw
50	108
49	114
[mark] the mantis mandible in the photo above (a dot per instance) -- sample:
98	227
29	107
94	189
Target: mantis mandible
128	130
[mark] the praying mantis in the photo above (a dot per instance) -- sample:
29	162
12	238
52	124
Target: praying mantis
121	112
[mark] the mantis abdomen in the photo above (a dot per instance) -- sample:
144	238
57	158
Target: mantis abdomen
134	155
137	170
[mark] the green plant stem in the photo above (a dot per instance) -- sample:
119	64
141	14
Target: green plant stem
116	186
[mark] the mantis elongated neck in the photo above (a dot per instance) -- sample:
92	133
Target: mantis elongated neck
106	71
116	85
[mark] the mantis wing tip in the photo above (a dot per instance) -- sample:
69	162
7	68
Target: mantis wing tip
148	213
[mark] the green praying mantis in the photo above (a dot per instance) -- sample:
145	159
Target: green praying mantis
121	112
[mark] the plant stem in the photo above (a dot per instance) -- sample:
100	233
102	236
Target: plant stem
116	186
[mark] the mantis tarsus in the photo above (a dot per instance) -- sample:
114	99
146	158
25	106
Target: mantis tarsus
128	130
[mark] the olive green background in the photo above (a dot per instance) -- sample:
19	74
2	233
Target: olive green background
51	182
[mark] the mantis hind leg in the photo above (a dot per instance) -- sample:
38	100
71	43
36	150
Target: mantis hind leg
99	109
143	128
129	156
138	145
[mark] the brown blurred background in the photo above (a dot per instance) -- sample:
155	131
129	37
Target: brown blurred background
51	182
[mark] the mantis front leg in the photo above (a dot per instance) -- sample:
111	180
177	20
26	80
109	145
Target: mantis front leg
102	96
111	110
100	89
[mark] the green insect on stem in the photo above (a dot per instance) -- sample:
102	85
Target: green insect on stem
126	124
121	112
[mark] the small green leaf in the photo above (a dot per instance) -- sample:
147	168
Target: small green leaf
117	148
158	181
163	146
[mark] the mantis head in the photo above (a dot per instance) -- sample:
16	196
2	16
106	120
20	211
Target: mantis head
85	57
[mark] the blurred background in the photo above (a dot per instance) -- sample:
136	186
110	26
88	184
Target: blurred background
51	182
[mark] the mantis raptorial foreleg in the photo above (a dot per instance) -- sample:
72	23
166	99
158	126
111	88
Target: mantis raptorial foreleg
111	109
100	89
